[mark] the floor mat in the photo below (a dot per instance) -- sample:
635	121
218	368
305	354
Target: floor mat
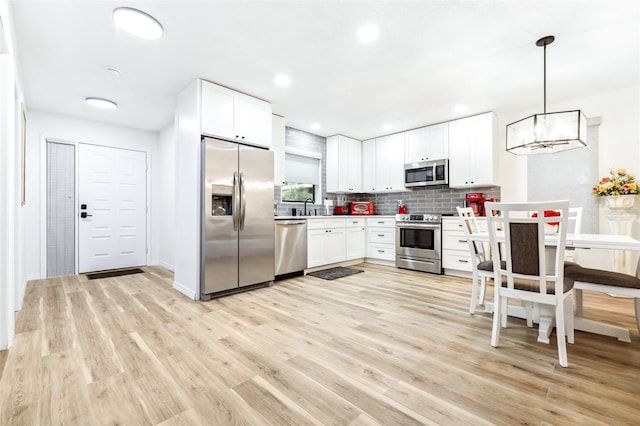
115	273
333	273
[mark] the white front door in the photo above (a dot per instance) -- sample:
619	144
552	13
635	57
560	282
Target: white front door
112	193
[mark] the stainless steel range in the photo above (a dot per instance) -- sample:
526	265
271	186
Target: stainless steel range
419	242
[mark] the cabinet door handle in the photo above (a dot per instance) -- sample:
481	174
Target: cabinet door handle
380	251
380	235
462	241
463	261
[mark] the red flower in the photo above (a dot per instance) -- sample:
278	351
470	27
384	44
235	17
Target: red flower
549	213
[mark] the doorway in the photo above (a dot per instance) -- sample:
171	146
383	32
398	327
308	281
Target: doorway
112	208
96	212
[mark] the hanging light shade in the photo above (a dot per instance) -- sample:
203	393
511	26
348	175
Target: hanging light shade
547	132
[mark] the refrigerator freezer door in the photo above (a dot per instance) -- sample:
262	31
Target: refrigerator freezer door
256	245
219	240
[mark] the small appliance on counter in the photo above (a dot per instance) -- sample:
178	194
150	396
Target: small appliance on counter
402	208
476	201
361	208
340	210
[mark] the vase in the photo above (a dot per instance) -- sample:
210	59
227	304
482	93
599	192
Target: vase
620	202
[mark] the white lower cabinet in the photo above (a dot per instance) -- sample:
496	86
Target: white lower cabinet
326	241
381	239
355	238
455	250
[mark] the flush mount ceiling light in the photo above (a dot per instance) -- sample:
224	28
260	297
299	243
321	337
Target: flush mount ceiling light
547	132
368	33
137	23
101	103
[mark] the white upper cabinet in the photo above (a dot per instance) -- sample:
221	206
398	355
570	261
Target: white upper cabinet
278	134
369	165
389	163
344	164
427	143
235	116
472	151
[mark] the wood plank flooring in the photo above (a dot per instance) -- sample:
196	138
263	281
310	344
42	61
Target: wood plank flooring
386	347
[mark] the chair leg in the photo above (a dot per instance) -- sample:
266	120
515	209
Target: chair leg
483	289
568	318
505	310
528	307
578	298
497	315
474	292
636	305
560	334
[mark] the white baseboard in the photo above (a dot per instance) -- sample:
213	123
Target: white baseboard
186	291
168	266
31	277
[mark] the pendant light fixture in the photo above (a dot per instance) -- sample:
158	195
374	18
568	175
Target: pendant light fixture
547	132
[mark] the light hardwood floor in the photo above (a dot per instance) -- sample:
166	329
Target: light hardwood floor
386	346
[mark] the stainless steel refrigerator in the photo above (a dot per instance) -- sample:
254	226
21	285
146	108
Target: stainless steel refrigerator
237	217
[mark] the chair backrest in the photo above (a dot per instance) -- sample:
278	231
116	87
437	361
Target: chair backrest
470	226
526	263
575	218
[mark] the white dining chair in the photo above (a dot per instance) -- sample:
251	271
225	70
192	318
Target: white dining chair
482	266
525	271
603	281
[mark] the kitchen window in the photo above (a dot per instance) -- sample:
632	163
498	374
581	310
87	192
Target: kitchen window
294	192
302	176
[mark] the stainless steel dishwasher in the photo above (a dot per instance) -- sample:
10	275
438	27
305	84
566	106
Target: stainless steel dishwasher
291	246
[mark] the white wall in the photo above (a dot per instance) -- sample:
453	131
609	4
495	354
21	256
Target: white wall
42	126
12	277
167	185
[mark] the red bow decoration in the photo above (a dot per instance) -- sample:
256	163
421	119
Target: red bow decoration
549	213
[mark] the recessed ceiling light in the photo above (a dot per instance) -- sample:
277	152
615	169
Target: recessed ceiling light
101	103
282	80
460	108
137	23
315	126
387	127
368	33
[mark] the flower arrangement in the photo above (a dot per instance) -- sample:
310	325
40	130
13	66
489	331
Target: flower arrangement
619	183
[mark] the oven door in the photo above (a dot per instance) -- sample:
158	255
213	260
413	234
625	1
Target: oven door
419	240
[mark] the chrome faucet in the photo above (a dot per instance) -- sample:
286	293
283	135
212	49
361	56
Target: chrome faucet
305	205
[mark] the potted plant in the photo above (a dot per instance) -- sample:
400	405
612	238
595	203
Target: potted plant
619	189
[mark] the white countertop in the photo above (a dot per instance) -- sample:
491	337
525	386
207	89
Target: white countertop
338	216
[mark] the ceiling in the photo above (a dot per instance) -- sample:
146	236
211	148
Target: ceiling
430	57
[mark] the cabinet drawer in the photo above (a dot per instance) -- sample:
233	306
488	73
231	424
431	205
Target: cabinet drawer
381	251
459	260
454	240
382	235
381	222
325	223
451	224
454	223
356	222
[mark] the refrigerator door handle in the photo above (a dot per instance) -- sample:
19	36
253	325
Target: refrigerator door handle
235	214
243	198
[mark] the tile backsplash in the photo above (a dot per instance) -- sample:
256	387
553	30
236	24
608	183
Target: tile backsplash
434	199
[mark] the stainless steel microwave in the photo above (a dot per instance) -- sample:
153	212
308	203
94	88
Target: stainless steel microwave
423	173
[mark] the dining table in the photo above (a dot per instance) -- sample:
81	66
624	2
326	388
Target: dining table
581	323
